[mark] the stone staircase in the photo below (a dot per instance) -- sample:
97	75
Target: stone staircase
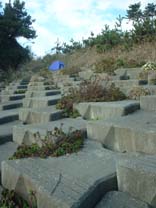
116	166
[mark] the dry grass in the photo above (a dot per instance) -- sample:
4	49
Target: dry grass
136	56
89	57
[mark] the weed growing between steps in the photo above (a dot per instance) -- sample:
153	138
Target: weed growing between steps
55	144
137	91
66	104
20	91
10	199
89	91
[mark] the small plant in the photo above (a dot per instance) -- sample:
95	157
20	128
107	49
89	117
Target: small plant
66	104
51	87
138	91
55	144
105	65
10	199
46	73
20	91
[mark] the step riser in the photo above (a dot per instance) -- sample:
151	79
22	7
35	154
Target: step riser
13	106
8	119
123	139
12	98
33	117
6	138
39	104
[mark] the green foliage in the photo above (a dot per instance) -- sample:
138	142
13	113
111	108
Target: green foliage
55	144
10	199
144	28
14	23
20	91
66	104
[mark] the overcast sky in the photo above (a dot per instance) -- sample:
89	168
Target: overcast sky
66	19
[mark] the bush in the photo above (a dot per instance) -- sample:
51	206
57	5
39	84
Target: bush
56	143
10	199
105	65
89	91
138	91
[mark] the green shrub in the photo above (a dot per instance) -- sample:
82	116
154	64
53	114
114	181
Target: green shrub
66	104
55	144
20	91
10	199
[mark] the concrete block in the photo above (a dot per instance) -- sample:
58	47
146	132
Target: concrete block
5	98
86	74
77	180
37	93
120	200
42	87
25	133
137	176
39	115
148	102
132	133
40	102
133	73
11	105
105	110
6	131
9	116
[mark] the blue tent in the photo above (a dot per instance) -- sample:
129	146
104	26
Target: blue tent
56	65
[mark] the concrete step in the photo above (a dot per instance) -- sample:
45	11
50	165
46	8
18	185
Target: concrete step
6	131
40	115
120	200
22	86
5	98
40	102
42	87
77	180
131	133
148	102
9	116
133	73
11	92
105	110
6	151
16	87
137	175
42	93
25	133
11	105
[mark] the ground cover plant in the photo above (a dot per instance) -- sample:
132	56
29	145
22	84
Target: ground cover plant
55	144
10	199
20	91
89	91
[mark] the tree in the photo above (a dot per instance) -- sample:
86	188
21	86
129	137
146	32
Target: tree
14	23
134	12
144	22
